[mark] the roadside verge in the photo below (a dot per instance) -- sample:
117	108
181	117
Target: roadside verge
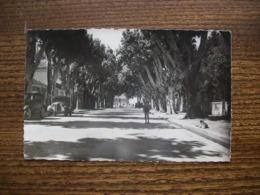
218	131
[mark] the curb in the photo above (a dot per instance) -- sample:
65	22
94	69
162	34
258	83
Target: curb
213	137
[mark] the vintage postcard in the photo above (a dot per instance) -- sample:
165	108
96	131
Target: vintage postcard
128	95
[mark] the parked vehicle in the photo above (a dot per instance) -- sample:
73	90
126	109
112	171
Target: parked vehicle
138	105
33	105
60	105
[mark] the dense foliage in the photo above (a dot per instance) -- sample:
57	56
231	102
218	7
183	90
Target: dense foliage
157	65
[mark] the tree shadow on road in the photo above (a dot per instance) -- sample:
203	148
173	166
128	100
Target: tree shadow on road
122	117
121	149
115	113
103	124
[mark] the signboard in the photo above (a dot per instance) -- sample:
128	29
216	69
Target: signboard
219	108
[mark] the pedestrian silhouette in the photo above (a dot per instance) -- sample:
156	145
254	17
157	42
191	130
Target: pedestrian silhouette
146	109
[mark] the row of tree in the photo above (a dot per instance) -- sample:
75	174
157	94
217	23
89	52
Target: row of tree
162	64
157	65
83	64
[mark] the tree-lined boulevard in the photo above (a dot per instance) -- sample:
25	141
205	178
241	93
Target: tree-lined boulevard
174	71
159	66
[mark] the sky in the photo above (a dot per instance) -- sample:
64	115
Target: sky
109	37
197	41
112	37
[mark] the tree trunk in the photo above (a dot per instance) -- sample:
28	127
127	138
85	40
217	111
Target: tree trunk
193	108
147	89
174	111
49	79
177	63
181	103
162	103
98	97
149	75
101	96
171	100
191	81
79	101
55	75
112	101
168	105
156	104
28	85
67	89
158	69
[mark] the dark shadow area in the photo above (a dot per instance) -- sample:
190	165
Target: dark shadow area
103	124
121	149
57	117
116	113
73	115
50	118
121	117
37	120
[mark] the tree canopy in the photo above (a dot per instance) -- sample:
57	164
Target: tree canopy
184	62
158	65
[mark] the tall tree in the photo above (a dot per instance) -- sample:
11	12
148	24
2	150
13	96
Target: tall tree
137	54
186	51
170	62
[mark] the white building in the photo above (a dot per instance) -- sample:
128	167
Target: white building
121	101
40	84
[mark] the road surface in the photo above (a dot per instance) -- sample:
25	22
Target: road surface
115	135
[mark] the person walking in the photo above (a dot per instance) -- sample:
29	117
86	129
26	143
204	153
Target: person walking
146	110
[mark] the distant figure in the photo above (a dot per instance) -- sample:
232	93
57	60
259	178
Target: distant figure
203	125
146	109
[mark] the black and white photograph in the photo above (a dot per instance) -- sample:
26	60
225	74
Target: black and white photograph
130	95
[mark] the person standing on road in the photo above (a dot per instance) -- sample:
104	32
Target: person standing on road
146	109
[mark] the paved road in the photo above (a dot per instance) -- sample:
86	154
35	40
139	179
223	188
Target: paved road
116	135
